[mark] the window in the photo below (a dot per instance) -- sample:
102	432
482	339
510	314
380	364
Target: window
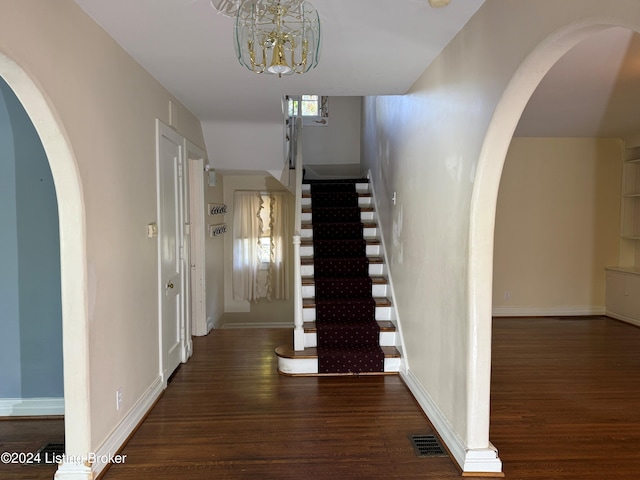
264	242
314	109
261	238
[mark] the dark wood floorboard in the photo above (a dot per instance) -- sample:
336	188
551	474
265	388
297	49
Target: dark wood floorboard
227	414
566	398
28	436
565	406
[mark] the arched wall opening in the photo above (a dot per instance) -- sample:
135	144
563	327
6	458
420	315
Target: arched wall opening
484	202
68	189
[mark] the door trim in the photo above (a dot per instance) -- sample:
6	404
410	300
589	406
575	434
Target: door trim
196	158
163	130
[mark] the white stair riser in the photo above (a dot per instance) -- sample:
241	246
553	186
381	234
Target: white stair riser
360	187
387	339
309	291
301	366
371	250
374	269
382	313
364	216
362	202
307	233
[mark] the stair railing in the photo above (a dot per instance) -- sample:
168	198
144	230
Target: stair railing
296	156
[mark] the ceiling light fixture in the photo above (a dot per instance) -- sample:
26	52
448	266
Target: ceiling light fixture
279	37
228	8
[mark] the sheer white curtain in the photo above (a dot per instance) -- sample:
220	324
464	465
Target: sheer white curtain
279	226
250	279
247	229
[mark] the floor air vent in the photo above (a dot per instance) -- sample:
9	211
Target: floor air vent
427	446
49	454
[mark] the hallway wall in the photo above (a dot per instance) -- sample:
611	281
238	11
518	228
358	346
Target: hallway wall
426	147
106	105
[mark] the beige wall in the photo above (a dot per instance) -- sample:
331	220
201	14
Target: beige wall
214	251
106	105
236	146
339	141
441	148
557	225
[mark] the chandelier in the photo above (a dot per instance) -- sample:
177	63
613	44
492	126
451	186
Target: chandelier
228	8
279	37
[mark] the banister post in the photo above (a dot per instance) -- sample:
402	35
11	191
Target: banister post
298	331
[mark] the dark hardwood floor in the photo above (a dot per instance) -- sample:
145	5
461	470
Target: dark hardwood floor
28	435
227	414
565	406
566	398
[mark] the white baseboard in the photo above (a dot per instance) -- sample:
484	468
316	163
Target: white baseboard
118	437
562	311
623	318
477	460
27	407
210	324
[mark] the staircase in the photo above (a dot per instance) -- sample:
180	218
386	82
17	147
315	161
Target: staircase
348	317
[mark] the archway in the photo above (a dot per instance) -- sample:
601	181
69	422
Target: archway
68	188
484	200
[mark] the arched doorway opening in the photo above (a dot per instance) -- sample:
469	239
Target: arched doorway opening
68	189
485	192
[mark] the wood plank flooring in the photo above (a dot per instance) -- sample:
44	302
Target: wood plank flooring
565	406
566	398
28	435
227	414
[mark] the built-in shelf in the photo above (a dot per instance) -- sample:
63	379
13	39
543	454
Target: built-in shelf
623	282
630	219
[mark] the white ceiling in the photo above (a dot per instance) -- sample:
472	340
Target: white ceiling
593	91
369	47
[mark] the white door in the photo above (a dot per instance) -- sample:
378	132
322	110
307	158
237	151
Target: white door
170	153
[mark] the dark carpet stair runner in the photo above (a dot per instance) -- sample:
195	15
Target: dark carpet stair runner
348	334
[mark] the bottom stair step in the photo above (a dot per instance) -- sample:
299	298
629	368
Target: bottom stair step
305	362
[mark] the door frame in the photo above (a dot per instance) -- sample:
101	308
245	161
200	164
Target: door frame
196	160
163	130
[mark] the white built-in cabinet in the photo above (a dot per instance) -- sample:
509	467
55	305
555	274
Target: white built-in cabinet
623	282
623	294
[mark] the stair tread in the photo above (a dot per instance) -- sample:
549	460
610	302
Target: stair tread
385	326
375	279
309	225
287	351
309	260
380	302
362	209
370	241
335	180
360	194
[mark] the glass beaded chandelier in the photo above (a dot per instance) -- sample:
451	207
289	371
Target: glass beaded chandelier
278	37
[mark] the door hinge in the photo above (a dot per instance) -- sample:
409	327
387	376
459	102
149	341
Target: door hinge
181	252
180	170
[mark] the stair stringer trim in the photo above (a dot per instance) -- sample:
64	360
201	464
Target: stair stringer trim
395	317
